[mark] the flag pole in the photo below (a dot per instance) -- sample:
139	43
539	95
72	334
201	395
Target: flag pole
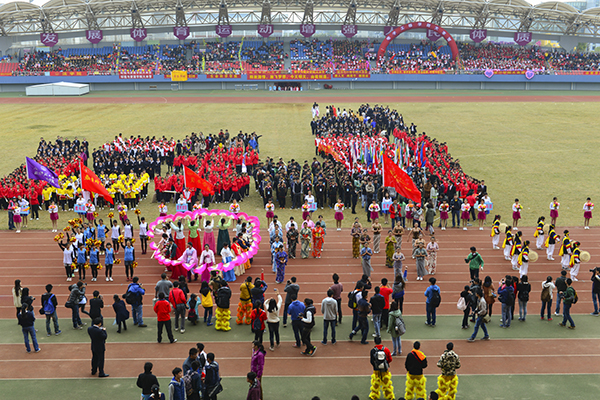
27	166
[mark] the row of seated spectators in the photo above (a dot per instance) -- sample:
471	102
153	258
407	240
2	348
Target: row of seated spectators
306	54
329	55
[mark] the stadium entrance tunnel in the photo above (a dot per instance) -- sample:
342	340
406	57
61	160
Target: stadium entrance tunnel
417	25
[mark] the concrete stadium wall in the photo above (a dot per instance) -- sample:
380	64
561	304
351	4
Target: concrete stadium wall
376	82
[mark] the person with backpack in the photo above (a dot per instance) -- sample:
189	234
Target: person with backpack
308	322
396	328
223	313
27	322
135	296
381	379
449	362
177	386
546	296
506	294
434	298
481	312
192	381
363	309
258	317
569	298
523	289
257	362
561	288
415	363
49	304
206	300
353	298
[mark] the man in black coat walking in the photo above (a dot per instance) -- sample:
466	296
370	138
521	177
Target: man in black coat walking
98	336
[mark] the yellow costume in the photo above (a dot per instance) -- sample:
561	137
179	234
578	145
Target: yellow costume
447	387
245	305
415	386
223	316
381	380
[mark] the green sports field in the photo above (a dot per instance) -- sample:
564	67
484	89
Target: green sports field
529	150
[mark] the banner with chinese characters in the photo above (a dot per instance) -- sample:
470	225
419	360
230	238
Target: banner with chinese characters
136	75
94	36
264	30
281	76
523	38
179	76
181	32
349	30
189	76
351	74
138	34
478	35
433	35
49	39
398	71
223	75
223	30
307	30
69	73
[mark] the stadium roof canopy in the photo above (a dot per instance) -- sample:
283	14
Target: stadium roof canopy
498	16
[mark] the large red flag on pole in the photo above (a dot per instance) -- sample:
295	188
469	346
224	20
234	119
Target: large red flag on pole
91	183
395	177
193	180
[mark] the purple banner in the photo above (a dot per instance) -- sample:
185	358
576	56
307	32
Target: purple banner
181	32
478	35
138	34
388	29
433	35
37	171
307	30
264	30
49	39
522	38
223	30
349	30
94	36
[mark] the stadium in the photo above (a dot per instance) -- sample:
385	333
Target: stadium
179	132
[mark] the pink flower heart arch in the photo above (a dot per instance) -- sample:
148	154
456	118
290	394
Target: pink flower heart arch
203	213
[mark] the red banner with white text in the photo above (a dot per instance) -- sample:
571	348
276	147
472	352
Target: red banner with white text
136	75
281	75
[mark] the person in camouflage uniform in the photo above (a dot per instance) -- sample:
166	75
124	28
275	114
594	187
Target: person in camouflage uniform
448	381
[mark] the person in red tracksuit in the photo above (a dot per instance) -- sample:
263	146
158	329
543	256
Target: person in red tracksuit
162	308
178	300
34	202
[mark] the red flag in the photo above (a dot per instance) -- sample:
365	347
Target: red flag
193	180
395	177
91	183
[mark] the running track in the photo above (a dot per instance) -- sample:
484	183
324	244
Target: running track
35	258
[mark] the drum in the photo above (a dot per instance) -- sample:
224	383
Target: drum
502	227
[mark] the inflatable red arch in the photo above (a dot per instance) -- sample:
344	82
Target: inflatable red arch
417	25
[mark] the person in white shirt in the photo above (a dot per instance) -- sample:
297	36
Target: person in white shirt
290	224
329	310
272	308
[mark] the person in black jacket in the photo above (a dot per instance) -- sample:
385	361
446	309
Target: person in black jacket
377	304
147	380
96	306
98	336
121	314
455	205
223	313
27	322
415	380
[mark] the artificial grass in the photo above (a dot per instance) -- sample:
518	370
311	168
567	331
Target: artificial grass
447	328
530	151
470	387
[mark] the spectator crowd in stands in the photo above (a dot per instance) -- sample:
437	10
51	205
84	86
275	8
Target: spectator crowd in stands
309	54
